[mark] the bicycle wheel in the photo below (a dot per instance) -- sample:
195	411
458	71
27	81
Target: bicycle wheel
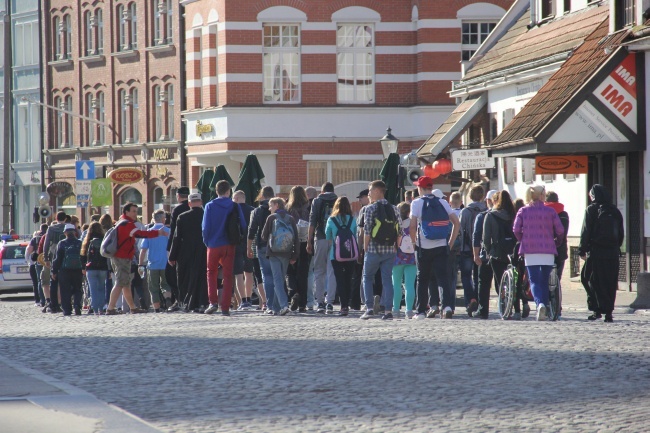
553	311
507	290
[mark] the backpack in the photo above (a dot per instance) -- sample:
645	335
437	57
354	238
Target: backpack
326	211
506	240
72	258
282	235
345	242
386	225
56	238
93	255
233	226
466	238
606	231
434	221
406	250
109	244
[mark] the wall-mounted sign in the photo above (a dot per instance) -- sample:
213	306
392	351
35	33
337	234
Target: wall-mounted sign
618	92
101	192
126	175
471	159
59	189
161	154
569	164
203	129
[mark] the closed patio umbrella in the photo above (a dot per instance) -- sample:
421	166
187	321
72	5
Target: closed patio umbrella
220	173
203	185
390	175
250	178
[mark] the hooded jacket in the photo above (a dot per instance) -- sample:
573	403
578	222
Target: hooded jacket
491	229
538	228
588	237
258	219
467	219
563	249
316	219
215	216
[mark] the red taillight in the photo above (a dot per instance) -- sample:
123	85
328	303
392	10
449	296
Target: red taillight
1	252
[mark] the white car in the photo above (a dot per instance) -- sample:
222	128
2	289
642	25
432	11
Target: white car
14	269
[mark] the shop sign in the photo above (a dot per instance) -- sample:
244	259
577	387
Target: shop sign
618	92
471	159
161	154
101	192
203	129
569	164
59	189
126	175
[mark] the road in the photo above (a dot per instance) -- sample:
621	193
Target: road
195	373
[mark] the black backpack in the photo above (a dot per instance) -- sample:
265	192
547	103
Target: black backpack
94	257
506	240
325	212
72	258
233	226
467	237
606	231
386	225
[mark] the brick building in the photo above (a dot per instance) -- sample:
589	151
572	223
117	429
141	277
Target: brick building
310	86
118	62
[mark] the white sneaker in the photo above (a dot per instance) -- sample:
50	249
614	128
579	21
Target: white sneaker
211	309
541	312
409	314
284	311
420	316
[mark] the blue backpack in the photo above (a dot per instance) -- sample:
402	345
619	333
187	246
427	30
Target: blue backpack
435	220
282	235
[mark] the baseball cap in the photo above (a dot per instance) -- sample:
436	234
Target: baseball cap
490	194
364	193
424	182
438	193
195	196
183	190
69	227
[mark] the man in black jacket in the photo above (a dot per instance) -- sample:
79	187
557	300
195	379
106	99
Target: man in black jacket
66	268
600	242
189	254
183	206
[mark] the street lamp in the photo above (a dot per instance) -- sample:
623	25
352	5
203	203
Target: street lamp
388	143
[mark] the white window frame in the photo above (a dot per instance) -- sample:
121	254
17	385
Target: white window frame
158	114
135	116
355	50
99	23
68	36
170	111
90	126
133	16
283	50
122	43
89	46
100	101
473	47
69	125
121	100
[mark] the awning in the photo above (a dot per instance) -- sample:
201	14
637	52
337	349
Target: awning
590	105
451	128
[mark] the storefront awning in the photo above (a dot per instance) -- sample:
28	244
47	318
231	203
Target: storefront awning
594	103
455	124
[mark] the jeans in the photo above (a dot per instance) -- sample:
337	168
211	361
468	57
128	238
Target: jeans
310	284
41	295
70	282
408	273
468	276
96	282
279	267
321	260
267	279
432	265
371	264
343	272
224	256
539	275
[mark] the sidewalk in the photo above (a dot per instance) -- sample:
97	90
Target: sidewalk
31	402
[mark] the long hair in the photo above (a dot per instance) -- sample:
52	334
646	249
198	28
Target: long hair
504	202
95	230
297	199
106	221
341	207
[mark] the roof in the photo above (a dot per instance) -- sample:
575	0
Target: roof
560	88
454	125
521	46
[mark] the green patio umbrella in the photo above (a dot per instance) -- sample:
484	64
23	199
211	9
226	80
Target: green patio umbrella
250	178
203	185
390	175
220	173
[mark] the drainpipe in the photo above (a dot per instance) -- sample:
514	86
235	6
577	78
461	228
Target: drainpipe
6	133
182	154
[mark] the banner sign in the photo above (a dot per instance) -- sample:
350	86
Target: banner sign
569	164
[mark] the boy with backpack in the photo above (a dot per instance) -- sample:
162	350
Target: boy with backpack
429	231
321	209
54	234
66	268
283	247
381	228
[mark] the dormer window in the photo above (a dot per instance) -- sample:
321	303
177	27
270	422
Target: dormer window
547	9
625	10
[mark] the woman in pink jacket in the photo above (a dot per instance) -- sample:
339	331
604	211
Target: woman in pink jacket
540	232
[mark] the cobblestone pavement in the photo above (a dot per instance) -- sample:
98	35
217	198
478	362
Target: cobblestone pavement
196	373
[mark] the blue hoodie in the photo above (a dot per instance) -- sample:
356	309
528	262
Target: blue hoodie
214	221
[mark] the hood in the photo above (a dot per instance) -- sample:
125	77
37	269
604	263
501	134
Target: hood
223	202
264	204
478	204
501	214
558	207
600	194
327	196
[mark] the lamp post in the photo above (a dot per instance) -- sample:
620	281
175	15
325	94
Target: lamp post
389	143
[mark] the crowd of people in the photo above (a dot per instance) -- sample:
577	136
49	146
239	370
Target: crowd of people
312	252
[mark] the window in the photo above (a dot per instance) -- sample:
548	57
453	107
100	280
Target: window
170	27
355	63
625	13
567	6
213	66
123	110
158	132
547	8
158	199
68	37
135	115
170	111
90	126
473	35
548	178
281	63
128	28
90	27
162	23
68	123
510	170
99	23
26	42
198	64
59	122
134	26
528	170
99	101
131	195
122	30
58	50
339	172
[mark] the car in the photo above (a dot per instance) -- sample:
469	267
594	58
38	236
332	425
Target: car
14	269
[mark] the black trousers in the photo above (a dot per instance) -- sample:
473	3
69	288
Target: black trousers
433	271
599	277
70	284
343	273
298	275
35	283
355	288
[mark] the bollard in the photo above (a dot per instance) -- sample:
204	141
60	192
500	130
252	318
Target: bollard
642	300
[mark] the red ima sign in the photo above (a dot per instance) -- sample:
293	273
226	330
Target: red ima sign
618	92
